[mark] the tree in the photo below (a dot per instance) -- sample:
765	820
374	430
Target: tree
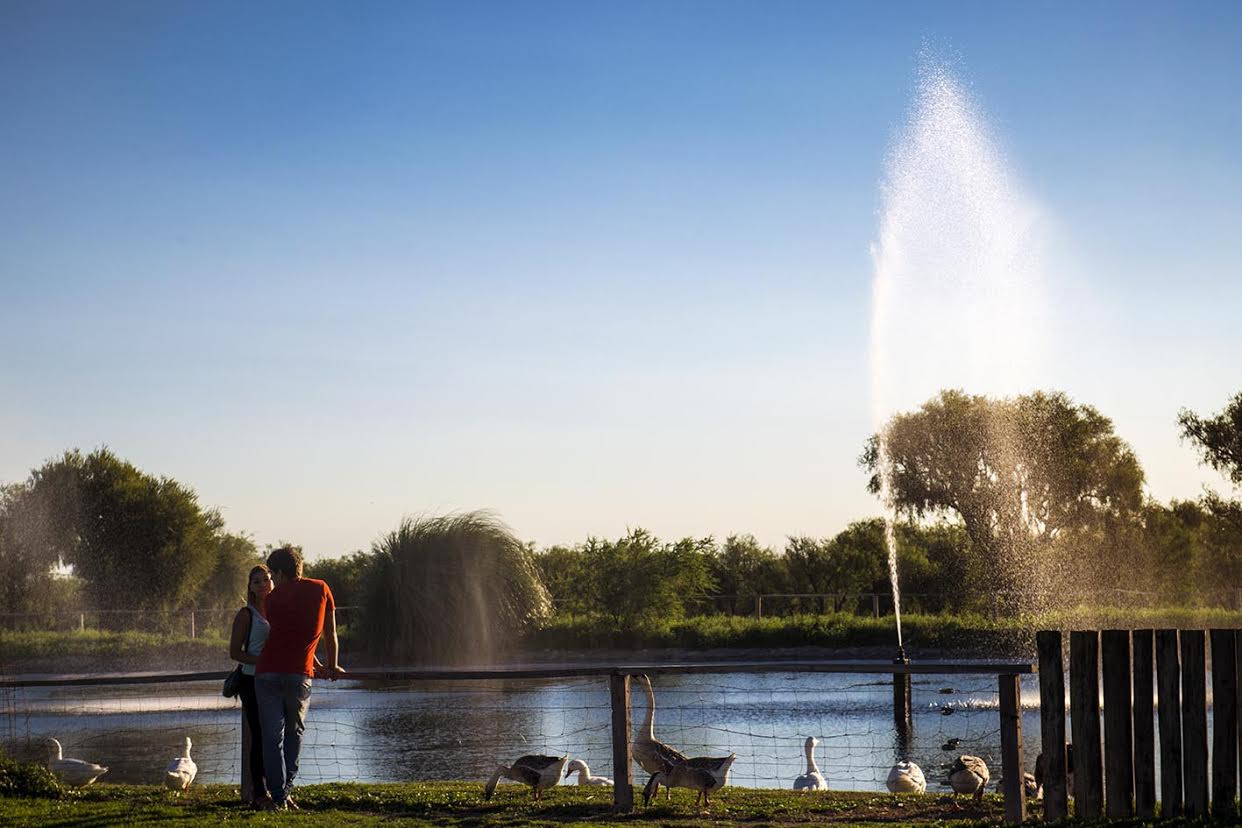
564	572
225	587
743	569
1219	438
136	541
1018	472
448	589
345	575
638	580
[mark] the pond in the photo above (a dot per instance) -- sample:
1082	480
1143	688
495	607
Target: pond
387	732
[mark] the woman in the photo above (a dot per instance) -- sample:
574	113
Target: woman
250	629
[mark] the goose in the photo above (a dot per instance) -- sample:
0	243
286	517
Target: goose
1041	771
703	774
584	774
73	772
812	780
540	772
969	775
181	771
906	777
650	753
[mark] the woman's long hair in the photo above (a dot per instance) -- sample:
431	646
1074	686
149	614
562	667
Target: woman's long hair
250	597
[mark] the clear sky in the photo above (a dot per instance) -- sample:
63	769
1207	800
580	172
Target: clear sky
589	265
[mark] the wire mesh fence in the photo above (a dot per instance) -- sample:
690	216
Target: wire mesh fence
413	730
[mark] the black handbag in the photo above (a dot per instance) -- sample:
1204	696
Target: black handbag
232	682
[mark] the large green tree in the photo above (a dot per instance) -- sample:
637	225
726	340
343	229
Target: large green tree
1018	472
136	541
1218	438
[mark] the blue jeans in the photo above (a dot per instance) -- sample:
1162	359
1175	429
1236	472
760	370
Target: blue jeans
283	700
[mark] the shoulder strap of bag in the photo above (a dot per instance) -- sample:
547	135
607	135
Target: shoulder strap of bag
249	624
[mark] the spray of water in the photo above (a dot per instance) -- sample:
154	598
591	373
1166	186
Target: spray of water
956	294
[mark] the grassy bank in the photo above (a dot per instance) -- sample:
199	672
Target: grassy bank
928	635
460	804
964	634
105	651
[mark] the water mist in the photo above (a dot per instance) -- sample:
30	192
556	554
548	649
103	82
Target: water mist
956	299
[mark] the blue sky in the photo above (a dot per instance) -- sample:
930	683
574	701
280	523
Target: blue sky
590	265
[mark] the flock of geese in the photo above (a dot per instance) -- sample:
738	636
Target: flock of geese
670	768
77	773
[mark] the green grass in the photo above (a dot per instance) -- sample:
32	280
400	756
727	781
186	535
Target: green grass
963	634
103	651
460	804
455	803
953	634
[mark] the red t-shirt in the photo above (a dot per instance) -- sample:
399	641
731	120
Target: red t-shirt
295	610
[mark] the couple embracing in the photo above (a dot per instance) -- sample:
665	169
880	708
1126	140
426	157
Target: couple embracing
274	638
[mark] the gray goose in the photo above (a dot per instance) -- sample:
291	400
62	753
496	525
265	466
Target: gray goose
704	774
969	775
650	753
538	771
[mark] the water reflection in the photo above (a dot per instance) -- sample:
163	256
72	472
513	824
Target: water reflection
461	730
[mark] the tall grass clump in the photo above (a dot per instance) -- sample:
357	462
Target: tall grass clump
452	589
27	779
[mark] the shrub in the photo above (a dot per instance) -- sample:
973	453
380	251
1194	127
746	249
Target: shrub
453	589
27	779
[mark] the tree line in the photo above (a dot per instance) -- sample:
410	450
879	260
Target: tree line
1010	504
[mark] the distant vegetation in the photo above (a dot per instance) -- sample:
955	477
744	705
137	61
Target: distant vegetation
1072	495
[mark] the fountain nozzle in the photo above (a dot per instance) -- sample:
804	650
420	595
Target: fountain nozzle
901	656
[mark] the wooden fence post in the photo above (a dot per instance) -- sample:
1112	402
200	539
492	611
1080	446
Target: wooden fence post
1169	709
1194	724
1224	724
1011	748
1144	727
1238	672
1085	723
1118	719
1052	723
623	786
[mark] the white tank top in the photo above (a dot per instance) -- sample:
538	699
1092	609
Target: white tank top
259	628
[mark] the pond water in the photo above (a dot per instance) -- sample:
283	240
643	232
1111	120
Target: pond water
373	732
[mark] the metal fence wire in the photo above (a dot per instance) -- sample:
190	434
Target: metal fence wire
456	725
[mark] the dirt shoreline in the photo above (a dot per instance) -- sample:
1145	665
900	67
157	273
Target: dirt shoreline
180	660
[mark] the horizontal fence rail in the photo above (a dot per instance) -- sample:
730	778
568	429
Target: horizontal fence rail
395	724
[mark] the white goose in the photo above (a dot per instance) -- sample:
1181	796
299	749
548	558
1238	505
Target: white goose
584	774
906	777
75	772
812	780
181	771
650	753
537	771
969	775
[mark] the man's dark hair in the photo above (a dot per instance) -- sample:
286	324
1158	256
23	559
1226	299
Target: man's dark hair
287	560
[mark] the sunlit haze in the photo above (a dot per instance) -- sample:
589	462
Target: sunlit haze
600	266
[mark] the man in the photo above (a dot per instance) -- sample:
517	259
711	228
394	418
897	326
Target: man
300	611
